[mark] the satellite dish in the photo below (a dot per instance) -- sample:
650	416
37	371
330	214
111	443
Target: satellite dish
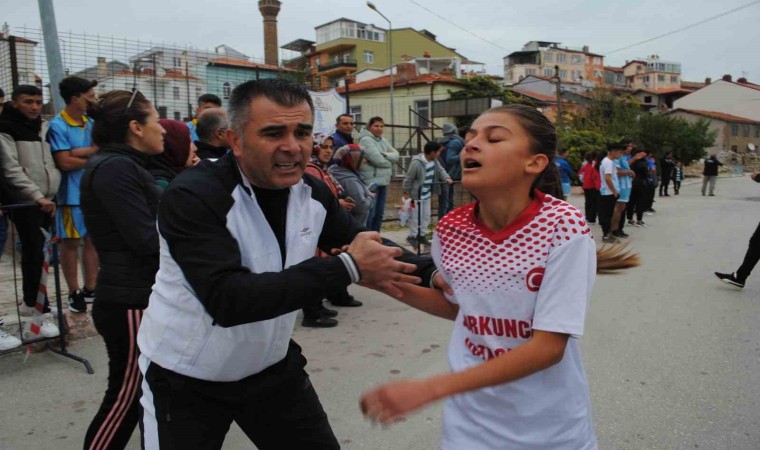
751	147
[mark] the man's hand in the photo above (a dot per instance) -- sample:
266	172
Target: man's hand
449	181
345	204
376	261
46	205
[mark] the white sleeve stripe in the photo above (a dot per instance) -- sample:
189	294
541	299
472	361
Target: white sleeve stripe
353	271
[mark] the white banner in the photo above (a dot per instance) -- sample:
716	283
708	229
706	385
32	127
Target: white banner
328	105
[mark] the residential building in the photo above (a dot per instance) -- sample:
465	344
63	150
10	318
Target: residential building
25	61
548	86
614	77
102	69
344	47
652	73
173	93
734	133
182	59
738	98
412	104
539	58
222	75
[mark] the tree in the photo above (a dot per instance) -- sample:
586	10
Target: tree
614	116
666	134
479	87
579	142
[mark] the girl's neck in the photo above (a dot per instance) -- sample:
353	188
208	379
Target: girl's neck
498	209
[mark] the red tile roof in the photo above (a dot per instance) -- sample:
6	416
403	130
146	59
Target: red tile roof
537	96
749	85
19	39
613	69
384	82
665	91
692	85
717	115
170	74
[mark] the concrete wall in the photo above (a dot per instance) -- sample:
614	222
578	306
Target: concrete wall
725	97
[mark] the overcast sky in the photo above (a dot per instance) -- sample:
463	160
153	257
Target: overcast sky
725	45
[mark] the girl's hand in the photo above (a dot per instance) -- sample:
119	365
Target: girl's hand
391	402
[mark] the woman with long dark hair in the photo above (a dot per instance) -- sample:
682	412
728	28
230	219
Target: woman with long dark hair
119	200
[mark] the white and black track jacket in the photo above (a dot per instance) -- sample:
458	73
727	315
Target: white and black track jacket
224	304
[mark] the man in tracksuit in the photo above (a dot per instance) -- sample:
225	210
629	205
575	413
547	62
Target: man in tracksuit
238	239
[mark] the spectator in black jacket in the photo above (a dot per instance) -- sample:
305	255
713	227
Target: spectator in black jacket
212	133
751	258
710	174
119	199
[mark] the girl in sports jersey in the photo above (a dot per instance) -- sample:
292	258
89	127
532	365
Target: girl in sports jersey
521	265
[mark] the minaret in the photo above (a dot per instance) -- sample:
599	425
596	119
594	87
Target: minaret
269	10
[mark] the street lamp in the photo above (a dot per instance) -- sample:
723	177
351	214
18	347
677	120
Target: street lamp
390	61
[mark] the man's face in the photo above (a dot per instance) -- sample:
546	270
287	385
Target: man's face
614	154
346	125
30	106
204	106
276	146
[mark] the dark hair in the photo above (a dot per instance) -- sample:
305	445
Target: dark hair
25	89
375	119
337	119
2	93
626	141
74	86
616	146
590	156
562	151
209	121
112	117
209	98
282	92
543	141
431	147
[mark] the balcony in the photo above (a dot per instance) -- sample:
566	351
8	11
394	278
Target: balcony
347	64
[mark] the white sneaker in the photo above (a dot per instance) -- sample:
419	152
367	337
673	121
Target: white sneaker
7	341
49	329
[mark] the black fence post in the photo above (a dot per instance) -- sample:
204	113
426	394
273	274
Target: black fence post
14	61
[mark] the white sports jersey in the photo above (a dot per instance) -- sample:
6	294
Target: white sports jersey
537	273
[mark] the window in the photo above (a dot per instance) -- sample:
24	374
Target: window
673	79
745	130
356	113
597	73
422	118
648	99
177	62
198	92
576	74
757	131
226	90
369	57
530	71
661	78
175	92
563	74
575	59
548	72
734	148
346	57
734	129
162	112
177	115
561	58
548	57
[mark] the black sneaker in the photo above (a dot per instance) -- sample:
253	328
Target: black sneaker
631	222
610	239
730	278
77	303
318	322
424	241
412	241
89	296
620	234
327	312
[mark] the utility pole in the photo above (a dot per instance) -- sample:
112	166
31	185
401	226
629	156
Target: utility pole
559	97
52	51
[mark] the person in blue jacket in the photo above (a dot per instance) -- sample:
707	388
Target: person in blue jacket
566	172
453	144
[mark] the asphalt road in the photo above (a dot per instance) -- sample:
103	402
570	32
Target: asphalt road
672	355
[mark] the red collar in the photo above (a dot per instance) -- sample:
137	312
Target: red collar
523	219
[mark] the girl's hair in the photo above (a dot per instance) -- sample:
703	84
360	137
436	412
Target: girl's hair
113	112
602	154
375	119
590	156
543	139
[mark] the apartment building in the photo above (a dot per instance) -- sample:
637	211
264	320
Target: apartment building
539	58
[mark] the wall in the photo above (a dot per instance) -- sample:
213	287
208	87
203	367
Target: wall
725	97
724	141
24	61
216	76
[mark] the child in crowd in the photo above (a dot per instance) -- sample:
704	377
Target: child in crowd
677	176
589	175
422	180
521	265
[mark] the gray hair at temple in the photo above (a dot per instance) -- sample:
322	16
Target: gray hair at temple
209	121
283	92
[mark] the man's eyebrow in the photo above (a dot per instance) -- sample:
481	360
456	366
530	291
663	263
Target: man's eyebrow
279	128
305	126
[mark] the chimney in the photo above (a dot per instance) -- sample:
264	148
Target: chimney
708	80
585	49
405	72
269	10
726	77
741	80
102	67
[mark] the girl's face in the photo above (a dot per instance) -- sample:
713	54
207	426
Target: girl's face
325	151
497	155
377	128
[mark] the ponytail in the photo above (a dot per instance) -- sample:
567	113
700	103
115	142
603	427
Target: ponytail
613	258
549	181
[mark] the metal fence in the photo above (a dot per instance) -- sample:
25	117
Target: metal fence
171	76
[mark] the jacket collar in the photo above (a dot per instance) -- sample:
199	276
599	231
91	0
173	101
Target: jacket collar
127	150
12	114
